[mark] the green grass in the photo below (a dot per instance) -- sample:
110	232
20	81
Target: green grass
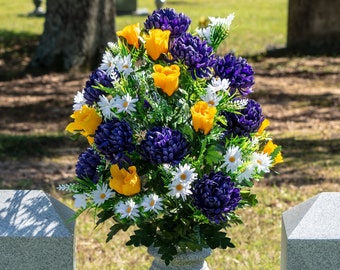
257	24
36	146
14	17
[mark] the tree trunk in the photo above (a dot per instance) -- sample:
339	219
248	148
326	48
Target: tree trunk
75	34
313	26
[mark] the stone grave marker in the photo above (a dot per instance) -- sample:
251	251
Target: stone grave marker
311	234
36	232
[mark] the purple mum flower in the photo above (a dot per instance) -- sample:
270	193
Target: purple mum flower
114	140
215	196
164	145
168	19
245	123
237	70
91	93
86	166
195	53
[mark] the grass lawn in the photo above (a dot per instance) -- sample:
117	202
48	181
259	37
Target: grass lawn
258	24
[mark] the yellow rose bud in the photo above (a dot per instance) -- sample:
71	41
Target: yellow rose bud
278	159
203	116
157	42
166	78
269	148
265	123
125	182
86	121
131	34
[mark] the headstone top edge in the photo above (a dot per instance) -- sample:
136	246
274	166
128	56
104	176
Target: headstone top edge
314	218
34	213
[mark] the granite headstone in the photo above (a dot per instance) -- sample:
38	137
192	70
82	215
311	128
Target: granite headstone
311	234
36	232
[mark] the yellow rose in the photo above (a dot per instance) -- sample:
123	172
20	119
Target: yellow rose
131	34
166	78
265	123
278	159
125	182
269	148
157	42
86	121
203	116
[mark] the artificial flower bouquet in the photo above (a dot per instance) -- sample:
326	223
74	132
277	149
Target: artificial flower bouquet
175	144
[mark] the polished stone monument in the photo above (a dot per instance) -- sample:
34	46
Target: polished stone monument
36	232
311	234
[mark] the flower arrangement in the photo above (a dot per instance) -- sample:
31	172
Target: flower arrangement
175	142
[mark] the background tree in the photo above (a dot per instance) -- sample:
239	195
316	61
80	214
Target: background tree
75	34
314	26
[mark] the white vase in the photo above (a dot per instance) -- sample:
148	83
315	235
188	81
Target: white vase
190	260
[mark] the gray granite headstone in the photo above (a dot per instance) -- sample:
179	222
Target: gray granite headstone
36	232
311	234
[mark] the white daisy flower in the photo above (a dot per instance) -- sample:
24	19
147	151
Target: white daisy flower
108	62
79	200
179	189
101	194
79	100
185	174
232	158
247	172
106	106
125	104
211	98
224	22
127	209
216	84
124	64
152	202
262	162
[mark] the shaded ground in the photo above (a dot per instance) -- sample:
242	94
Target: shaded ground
300	96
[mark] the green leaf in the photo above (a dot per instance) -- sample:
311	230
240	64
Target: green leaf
212	156
115	229
275	152
188	130
103	216
167	252
249	198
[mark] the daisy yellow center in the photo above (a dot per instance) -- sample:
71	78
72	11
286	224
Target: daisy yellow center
232	159
125	66
179	187
152	203
129	209
259	161
125	104
183	176
102	196
211	102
